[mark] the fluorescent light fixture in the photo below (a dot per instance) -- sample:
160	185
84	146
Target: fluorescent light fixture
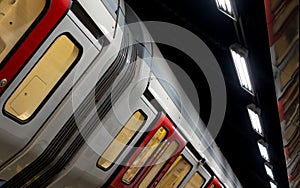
254	112
273	184
228	8
262	146
269	170
239	56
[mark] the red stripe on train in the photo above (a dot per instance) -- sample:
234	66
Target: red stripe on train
53	15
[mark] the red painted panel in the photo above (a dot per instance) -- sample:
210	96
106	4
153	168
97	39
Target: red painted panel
269	14
56	11
171	161
172	135
285	98
272	18
280	110
214	181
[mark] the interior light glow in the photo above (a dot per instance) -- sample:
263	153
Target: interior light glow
269	170
239	56
254	118
227	7
246	72
263	150
273	185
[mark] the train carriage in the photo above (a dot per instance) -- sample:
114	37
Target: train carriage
86	105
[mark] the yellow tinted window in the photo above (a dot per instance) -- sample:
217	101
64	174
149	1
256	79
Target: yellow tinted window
121	140
143	157
16	16
274	4
195	182
164	153
42	78
175	174
287	39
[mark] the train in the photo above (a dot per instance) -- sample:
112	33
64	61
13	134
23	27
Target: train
283	31
86	103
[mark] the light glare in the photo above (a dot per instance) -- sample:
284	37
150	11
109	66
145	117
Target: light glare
243	62
226	6
254	118
240	64
273	185
263	151
269	171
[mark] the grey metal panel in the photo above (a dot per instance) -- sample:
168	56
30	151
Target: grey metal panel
83	84
120	24
84	30
138	29
130	101
169	82
196	168
193	132
122	6
102	18
112	6
19	135
98	142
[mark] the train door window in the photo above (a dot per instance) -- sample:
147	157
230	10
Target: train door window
144	155
165	155
287	38
16	16
275	4
196	181
41	80
176	173
121	140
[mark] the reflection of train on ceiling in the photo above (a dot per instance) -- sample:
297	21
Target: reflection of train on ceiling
78	91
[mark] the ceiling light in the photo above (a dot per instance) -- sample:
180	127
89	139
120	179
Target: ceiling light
263	150
239	56
227	7
273	184
254	112
269	170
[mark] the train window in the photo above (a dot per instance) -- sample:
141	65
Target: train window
176	173
163	158
145	154
289	69
275	4
41	80
212	185
196	181
287	38
121	140
15	19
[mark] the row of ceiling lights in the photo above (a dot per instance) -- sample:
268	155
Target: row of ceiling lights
240	55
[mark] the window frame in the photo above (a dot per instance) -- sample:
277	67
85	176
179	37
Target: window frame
160	120
164	165
129	141
57	11
56	85
140	150
169	167
196	172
